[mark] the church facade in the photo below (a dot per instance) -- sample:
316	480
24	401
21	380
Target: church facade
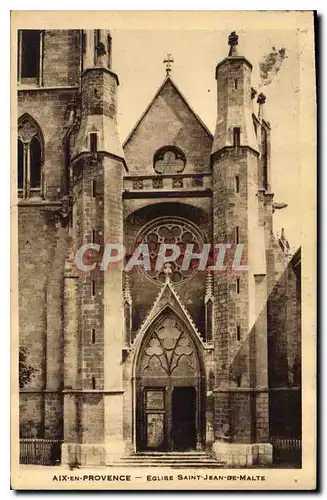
150	359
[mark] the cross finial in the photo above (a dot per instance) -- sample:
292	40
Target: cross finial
167	270
168	61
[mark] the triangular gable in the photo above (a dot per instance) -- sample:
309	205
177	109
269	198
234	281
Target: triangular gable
164	83
168	121
168	297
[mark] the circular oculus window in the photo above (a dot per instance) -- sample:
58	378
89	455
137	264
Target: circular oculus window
175	231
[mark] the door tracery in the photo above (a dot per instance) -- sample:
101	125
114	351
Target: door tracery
169	351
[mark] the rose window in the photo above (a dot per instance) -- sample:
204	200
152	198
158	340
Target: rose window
171	231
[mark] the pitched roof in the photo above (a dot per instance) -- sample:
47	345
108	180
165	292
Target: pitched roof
164	83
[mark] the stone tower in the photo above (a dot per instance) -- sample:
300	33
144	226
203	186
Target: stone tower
241	395
93	316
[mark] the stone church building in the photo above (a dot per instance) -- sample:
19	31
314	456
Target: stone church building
168	360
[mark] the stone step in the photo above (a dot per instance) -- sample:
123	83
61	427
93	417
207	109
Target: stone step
157	460
167	456
191	459
170	453
173	464
167	459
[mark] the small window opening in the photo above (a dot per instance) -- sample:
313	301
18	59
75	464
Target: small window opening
93	142
237	285
93	336
236	137
93	288
93	383
93	189
237	184
238	333
235	83
237	234
239	380
93	236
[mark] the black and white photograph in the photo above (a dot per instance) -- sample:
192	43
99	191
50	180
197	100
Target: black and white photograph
163	205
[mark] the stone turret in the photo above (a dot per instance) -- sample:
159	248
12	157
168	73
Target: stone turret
239	295
98	125
98	320
234	110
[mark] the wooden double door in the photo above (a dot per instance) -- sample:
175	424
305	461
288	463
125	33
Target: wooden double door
168	418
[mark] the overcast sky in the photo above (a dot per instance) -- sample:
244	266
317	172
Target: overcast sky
138	60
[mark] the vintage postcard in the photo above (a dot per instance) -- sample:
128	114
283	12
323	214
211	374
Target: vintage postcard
163	250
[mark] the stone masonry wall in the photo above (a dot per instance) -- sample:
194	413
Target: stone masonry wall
61	58
284	353
41	245
38	239
284	334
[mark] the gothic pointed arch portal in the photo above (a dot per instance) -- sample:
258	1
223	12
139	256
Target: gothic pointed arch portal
169	388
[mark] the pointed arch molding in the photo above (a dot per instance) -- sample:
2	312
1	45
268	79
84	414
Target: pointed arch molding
167	302
156	346
27	128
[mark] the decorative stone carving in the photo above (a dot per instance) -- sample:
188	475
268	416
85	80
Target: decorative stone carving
27	130
127	306
100	49
209	307
233	43
137	184
157	183
177	183
73	110
197	181
63	214
169	351
261	98
233	39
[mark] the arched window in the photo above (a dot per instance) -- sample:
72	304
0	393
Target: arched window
29	157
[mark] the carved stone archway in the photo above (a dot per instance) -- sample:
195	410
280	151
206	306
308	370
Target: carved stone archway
169	388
